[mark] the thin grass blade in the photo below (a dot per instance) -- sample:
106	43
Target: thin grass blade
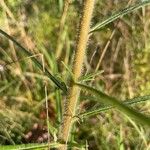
58	106
60	84
40	146
140	118
90	76
121	13
101	109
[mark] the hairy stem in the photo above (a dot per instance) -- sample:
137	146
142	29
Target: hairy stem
73	94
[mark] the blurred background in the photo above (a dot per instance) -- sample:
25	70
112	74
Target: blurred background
120	51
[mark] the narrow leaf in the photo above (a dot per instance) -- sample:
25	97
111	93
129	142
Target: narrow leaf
101	109
60	84
40	146
58	106
90	76
121	13
114	102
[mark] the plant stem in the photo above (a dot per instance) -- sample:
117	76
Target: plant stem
73	94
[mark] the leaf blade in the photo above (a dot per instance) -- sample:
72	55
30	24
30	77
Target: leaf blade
113	101
121	13
60	84
107	107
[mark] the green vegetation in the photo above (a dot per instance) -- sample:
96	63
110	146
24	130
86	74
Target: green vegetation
58	76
